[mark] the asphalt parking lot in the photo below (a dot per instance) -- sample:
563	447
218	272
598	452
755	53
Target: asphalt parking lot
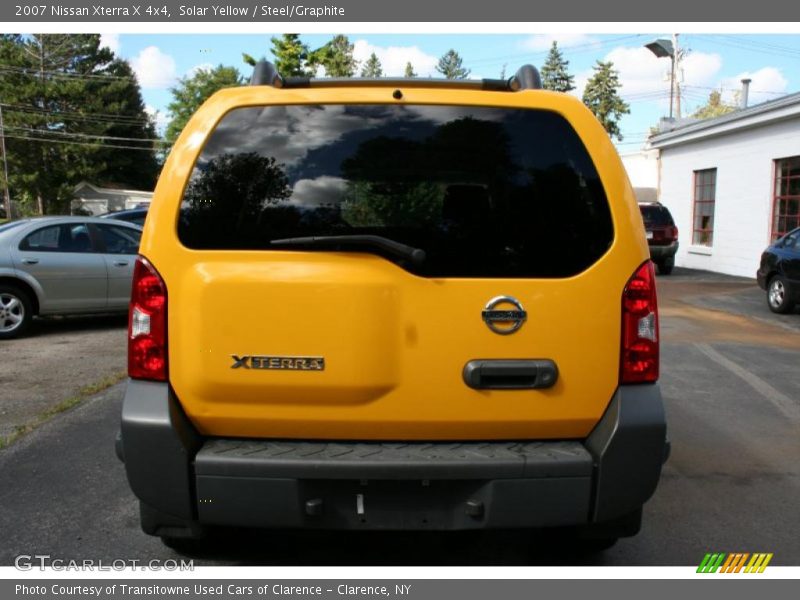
731	384
58	362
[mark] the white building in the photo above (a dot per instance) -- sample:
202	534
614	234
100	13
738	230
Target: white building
642	168
732	184
97	200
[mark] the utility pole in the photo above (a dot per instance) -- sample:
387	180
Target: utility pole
676	64
39	199
6	195
671	84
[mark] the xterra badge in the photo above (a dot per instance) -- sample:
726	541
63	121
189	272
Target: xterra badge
279	363
504	315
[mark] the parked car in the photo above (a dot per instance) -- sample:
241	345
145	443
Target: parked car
416	315
779	273
64	265
133	215
662	235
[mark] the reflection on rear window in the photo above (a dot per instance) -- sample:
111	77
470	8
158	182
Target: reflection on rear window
485	192
656	216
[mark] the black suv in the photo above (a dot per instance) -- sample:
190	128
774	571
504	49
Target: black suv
662	235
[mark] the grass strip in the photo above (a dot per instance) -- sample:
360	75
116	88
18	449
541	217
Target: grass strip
77	398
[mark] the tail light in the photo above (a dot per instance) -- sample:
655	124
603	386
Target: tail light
639	348
672	233
147	324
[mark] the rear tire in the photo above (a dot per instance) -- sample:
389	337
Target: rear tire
186	546
183	536
665	267
16	311
779	296
598	537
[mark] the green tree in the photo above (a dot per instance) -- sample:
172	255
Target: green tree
409	72
450	65
336	57
72	111
372	67
714	107
602	97
192	91
120	96
555	75
291	56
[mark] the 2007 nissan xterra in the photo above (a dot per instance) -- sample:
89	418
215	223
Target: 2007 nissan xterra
393	304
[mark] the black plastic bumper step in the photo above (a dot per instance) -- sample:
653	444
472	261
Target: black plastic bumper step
380	460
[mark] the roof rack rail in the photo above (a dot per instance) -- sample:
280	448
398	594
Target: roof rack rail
526	78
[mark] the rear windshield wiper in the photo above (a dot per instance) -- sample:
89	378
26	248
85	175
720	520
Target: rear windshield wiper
415	255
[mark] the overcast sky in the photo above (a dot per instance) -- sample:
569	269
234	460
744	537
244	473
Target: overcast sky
713	61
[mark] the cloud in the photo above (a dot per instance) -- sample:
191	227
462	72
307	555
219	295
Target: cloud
293	131
699	68
110	41
767	84
542	42
645	76
197	68
394	58
324	190
160	118
154	69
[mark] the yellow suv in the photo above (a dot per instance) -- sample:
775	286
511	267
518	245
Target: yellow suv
393	304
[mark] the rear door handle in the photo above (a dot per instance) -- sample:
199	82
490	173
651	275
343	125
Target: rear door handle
30	261
120	263
510	374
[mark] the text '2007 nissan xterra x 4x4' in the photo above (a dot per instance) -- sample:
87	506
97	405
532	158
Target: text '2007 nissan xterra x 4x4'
393	304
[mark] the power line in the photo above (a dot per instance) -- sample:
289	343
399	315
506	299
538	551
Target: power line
574	49
70	116
38	108
97	145
772	47
33	72
744	45
86	135
723	89
646	95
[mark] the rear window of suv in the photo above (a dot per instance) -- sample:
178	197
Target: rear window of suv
485	192
656	216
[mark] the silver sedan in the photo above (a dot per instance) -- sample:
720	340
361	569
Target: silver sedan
64	265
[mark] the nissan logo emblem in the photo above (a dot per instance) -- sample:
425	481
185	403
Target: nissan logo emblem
504	315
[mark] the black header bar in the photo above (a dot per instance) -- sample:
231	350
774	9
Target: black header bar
441	11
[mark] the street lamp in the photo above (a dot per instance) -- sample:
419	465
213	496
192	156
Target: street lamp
663	48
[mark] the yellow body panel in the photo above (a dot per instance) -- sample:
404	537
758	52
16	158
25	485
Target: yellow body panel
394	343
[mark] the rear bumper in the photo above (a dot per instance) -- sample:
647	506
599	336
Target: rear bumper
339	485
662	252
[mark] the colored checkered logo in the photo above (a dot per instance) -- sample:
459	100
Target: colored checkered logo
736	562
